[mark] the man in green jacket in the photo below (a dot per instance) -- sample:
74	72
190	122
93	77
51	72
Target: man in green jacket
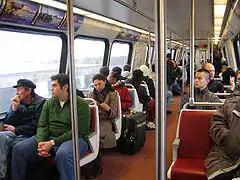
54	133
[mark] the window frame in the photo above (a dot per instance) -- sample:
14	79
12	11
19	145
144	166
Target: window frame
94	38
130	53
27	30
62	35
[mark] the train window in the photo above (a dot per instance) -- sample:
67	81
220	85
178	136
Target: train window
236	44
30	56
89	55
119	54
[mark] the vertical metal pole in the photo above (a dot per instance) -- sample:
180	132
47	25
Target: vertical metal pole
183	68
208	54
160	44
192	54
212	50
72	81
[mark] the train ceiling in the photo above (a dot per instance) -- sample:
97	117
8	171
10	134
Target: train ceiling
140	13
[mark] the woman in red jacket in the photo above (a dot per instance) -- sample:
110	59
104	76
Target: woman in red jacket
126	101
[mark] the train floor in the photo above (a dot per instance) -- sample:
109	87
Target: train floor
141	166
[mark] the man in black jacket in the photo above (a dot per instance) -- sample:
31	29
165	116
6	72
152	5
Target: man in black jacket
21	120
213	86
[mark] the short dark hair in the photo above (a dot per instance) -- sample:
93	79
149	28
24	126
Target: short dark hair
206	72
138	75
62	79
169	55
116	75
104	71
103	78
127	67
99	77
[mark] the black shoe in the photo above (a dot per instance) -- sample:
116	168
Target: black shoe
169	112
95	175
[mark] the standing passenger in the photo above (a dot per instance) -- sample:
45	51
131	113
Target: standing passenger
21	119
54	133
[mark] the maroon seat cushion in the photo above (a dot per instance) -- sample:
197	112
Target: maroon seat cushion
188	169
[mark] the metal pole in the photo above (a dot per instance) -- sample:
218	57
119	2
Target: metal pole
212	50
192	54
73	99
208	41
183	68
160	48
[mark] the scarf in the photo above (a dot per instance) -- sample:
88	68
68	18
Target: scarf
100	96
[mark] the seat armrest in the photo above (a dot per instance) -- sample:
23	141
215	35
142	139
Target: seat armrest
90	140
175	147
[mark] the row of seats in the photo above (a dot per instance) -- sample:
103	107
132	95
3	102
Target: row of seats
191	146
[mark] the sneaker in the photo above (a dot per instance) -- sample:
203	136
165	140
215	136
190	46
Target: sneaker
151	125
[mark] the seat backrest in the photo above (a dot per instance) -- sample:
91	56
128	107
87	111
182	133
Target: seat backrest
135	100
94	118
193	132
144	84
118	120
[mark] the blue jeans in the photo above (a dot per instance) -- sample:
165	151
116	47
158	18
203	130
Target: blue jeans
25	153
7	141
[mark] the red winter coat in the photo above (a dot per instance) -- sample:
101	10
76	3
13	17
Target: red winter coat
126	101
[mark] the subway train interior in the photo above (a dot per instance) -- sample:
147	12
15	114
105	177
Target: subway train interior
35	44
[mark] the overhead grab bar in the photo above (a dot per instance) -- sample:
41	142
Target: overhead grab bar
203	104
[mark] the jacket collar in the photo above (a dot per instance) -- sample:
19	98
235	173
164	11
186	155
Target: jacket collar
204	91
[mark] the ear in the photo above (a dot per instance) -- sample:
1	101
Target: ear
65	87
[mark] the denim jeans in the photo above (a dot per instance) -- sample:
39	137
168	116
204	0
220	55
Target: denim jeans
7	140
25	153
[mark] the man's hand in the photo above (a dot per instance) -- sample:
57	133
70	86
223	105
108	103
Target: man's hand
105	106
15	102
44	148
9	128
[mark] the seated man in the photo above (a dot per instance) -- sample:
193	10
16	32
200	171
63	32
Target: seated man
201	92
126	74
54	133
222	163
21	119
213	85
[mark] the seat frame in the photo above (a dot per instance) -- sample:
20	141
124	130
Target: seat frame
177	141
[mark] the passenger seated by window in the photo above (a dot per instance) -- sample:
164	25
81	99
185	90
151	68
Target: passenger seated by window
235	87
54	133
126	74
104	71
126	101
213	85
106	99
148	103
201	92
146	73
227	75
222	163
21	120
